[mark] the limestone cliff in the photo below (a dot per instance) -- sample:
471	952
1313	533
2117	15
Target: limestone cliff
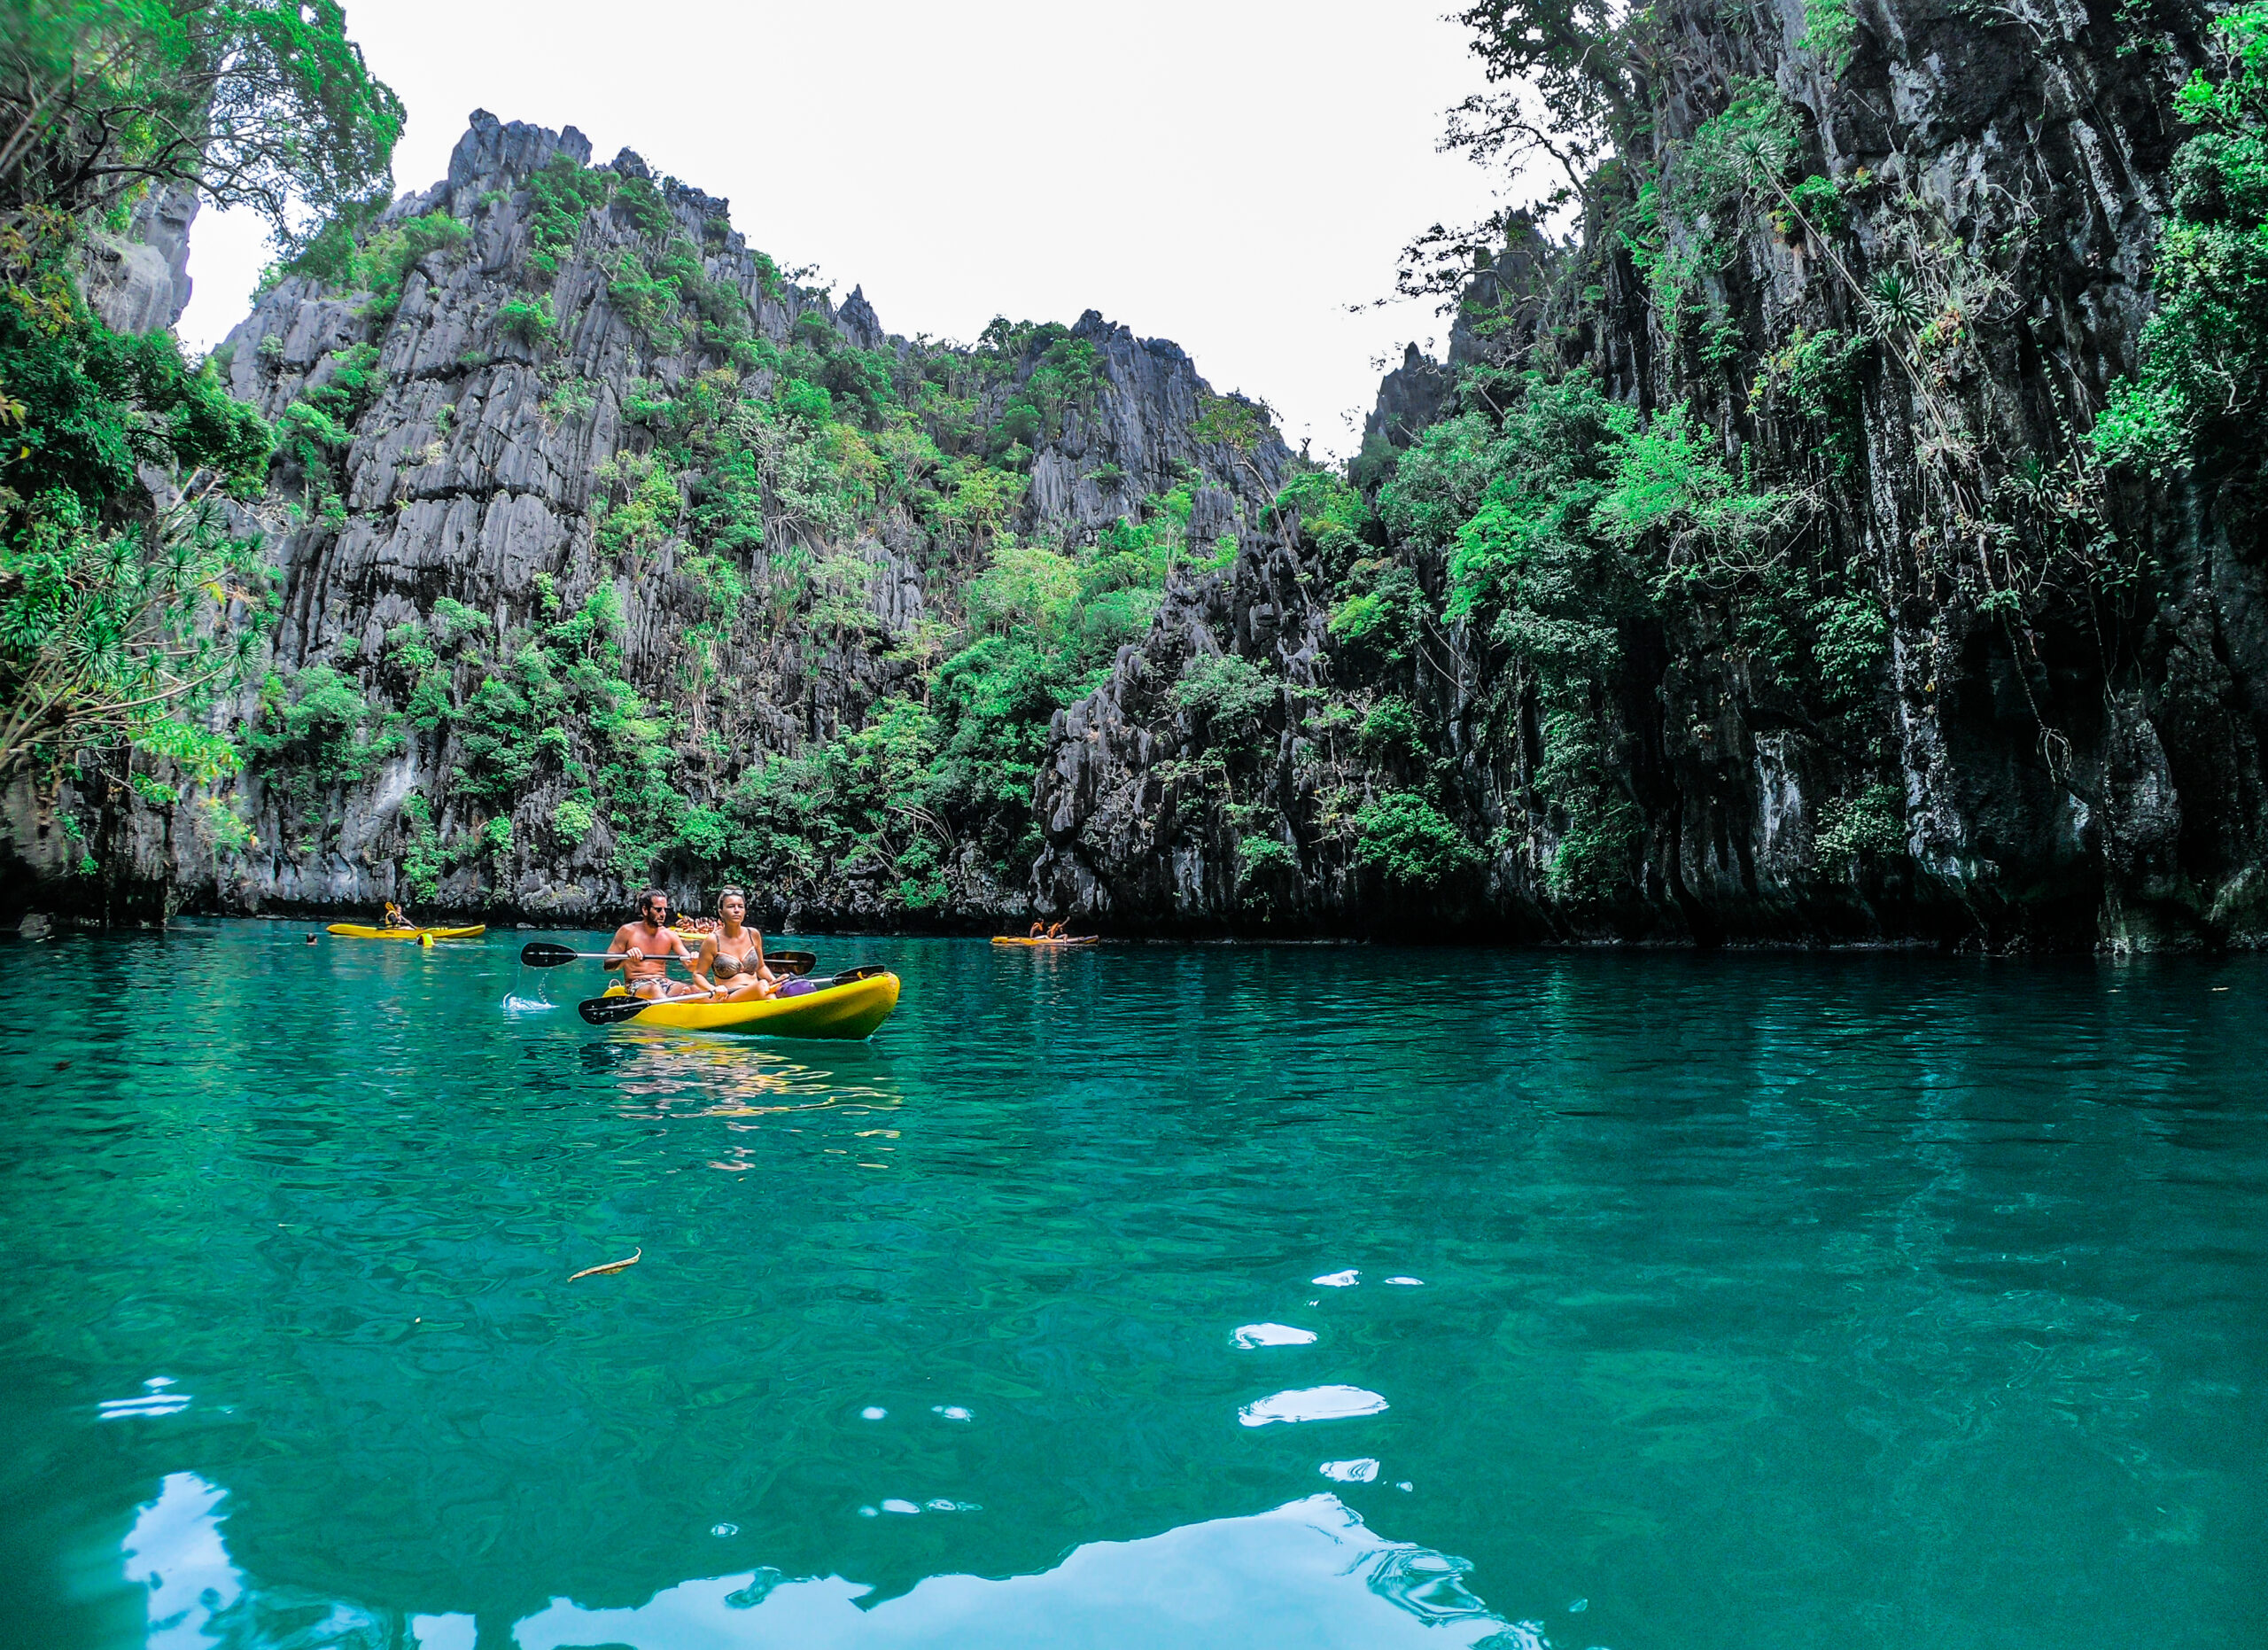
1744	572
586	518
2053	683
138	282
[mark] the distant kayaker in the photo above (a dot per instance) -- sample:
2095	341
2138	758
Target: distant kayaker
1039	931
395	917
1055	930
645	945
733	953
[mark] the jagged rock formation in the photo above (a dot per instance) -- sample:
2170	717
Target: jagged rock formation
2060	729
552	457
138	282
1410	398
532	470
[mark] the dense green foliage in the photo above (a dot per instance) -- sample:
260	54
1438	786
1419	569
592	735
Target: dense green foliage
107	604
1407	842
560	196
2203	392
378	259
1570	526
1698	540
86	405
121	617
765	478
761	494
107	638
255	103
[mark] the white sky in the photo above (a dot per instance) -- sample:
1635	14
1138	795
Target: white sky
1229	174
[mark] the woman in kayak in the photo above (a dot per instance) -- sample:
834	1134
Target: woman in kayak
394	916
732	954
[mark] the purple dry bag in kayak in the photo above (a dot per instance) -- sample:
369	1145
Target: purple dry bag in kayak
797	987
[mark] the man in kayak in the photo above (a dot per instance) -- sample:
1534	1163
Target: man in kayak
643	948
394	916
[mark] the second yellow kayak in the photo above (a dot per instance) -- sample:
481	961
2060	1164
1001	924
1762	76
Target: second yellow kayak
1068	939
368	930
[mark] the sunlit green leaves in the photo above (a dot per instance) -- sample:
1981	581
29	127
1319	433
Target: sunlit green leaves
109	637
1228	690
1410	844
1670	485
262	103
2203	391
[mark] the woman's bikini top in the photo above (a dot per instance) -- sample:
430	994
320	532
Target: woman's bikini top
745	964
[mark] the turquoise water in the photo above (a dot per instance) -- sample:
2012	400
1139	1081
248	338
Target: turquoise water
1136	1298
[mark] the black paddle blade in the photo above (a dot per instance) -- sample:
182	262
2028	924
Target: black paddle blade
537	954
612	1010
790	961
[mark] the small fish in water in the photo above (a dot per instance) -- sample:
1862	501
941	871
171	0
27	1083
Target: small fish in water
612	1265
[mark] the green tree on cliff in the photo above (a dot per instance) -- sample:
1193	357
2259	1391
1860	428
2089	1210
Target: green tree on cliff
264	104
114	604
2203	392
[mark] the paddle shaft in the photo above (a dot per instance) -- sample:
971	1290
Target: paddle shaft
543	954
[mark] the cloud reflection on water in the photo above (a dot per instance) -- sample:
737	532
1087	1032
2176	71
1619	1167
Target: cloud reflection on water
1312	1569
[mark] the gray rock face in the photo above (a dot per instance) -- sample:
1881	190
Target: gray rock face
138	282
481	456
1410	398
490	149
2070	776
2061	781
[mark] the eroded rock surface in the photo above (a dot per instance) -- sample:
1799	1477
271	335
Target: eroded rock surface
2054	781
452	522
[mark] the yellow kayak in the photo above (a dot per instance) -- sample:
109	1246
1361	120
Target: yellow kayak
1068	939
853	1009
366	931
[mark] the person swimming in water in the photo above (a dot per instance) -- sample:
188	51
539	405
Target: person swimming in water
644	946
732	955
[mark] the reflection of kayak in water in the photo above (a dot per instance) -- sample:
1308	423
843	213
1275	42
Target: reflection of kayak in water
371	931
854	1008
1068	939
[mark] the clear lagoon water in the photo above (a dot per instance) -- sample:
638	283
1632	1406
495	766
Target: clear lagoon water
1218	1297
